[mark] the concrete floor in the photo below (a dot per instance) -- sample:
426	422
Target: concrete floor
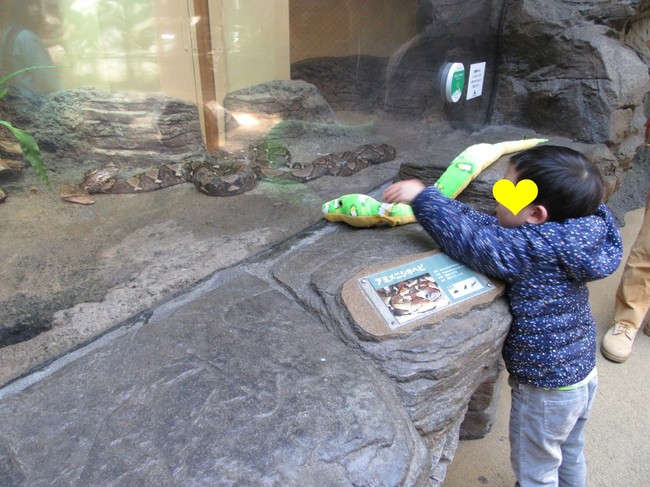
617	435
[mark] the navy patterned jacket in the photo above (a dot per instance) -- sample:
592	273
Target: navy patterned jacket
552	339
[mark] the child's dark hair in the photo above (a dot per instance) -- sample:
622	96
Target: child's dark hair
568	184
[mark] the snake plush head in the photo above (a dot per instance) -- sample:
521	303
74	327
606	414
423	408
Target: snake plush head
362	211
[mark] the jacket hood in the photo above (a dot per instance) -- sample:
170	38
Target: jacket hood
587	248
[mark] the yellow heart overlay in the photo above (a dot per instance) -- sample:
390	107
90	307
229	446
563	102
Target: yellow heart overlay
515	198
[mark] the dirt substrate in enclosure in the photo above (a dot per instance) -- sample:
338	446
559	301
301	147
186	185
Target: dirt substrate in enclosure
71	272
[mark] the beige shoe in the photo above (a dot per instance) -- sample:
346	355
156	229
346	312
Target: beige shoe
617	342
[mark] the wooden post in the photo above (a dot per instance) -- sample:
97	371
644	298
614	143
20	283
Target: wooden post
206	70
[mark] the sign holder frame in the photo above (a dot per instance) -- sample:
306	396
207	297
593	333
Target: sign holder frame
443	286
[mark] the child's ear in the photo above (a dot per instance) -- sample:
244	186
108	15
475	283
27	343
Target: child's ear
538	216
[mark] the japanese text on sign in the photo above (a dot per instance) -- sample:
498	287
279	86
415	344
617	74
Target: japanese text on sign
399	275
475	83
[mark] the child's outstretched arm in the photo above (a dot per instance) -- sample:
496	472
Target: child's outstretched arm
468	236
403	191
488	248
406	191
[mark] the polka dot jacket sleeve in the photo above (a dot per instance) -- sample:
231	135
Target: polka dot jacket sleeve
472	237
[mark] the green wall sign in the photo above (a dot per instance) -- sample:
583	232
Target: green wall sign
453	81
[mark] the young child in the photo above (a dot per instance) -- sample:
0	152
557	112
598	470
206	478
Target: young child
545	253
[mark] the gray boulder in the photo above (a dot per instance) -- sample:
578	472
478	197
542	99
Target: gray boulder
285	99
240	387
436	368
564	71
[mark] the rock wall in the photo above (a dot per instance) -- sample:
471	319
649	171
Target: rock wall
565	71
88	127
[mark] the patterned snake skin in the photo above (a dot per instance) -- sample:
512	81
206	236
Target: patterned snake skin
225	173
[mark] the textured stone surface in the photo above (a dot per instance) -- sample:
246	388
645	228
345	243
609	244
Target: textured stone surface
436	368
81	126
481	411
262	377
585	84
634	187
285	99
241	387
635	31
353	83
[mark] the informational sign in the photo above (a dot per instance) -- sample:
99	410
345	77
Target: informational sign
475	80
417	289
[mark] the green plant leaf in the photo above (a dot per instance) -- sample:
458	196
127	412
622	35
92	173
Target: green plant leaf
4	79
31	151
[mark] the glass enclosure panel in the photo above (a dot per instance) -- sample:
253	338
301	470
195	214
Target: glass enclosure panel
143	91
136	45
110	45
373	56
255	38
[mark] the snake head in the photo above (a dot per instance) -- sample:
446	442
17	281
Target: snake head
96	179
331	206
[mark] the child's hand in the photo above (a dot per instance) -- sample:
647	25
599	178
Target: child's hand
403	191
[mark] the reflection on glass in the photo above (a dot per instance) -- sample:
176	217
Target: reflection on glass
111	44
31	27
100	43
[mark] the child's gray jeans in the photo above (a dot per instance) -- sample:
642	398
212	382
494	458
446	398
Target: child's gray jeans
547	434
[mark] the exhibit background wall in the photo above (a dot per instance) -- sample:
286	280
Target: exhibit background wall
346	27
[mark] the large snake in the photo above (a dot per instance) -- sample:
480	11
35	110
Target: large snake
225	173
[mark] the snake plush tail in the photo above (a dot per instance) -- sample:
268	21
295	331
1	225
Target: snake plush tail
473	160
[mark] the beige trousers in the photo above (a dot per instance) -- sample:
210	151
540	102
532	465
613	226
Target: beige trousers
633	294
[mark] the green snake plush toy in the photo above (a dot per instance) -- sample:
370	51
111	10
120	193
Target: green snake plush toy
362	211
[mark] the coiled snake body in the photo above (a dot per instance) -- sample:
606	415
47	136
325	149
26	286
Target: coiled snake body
225	173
